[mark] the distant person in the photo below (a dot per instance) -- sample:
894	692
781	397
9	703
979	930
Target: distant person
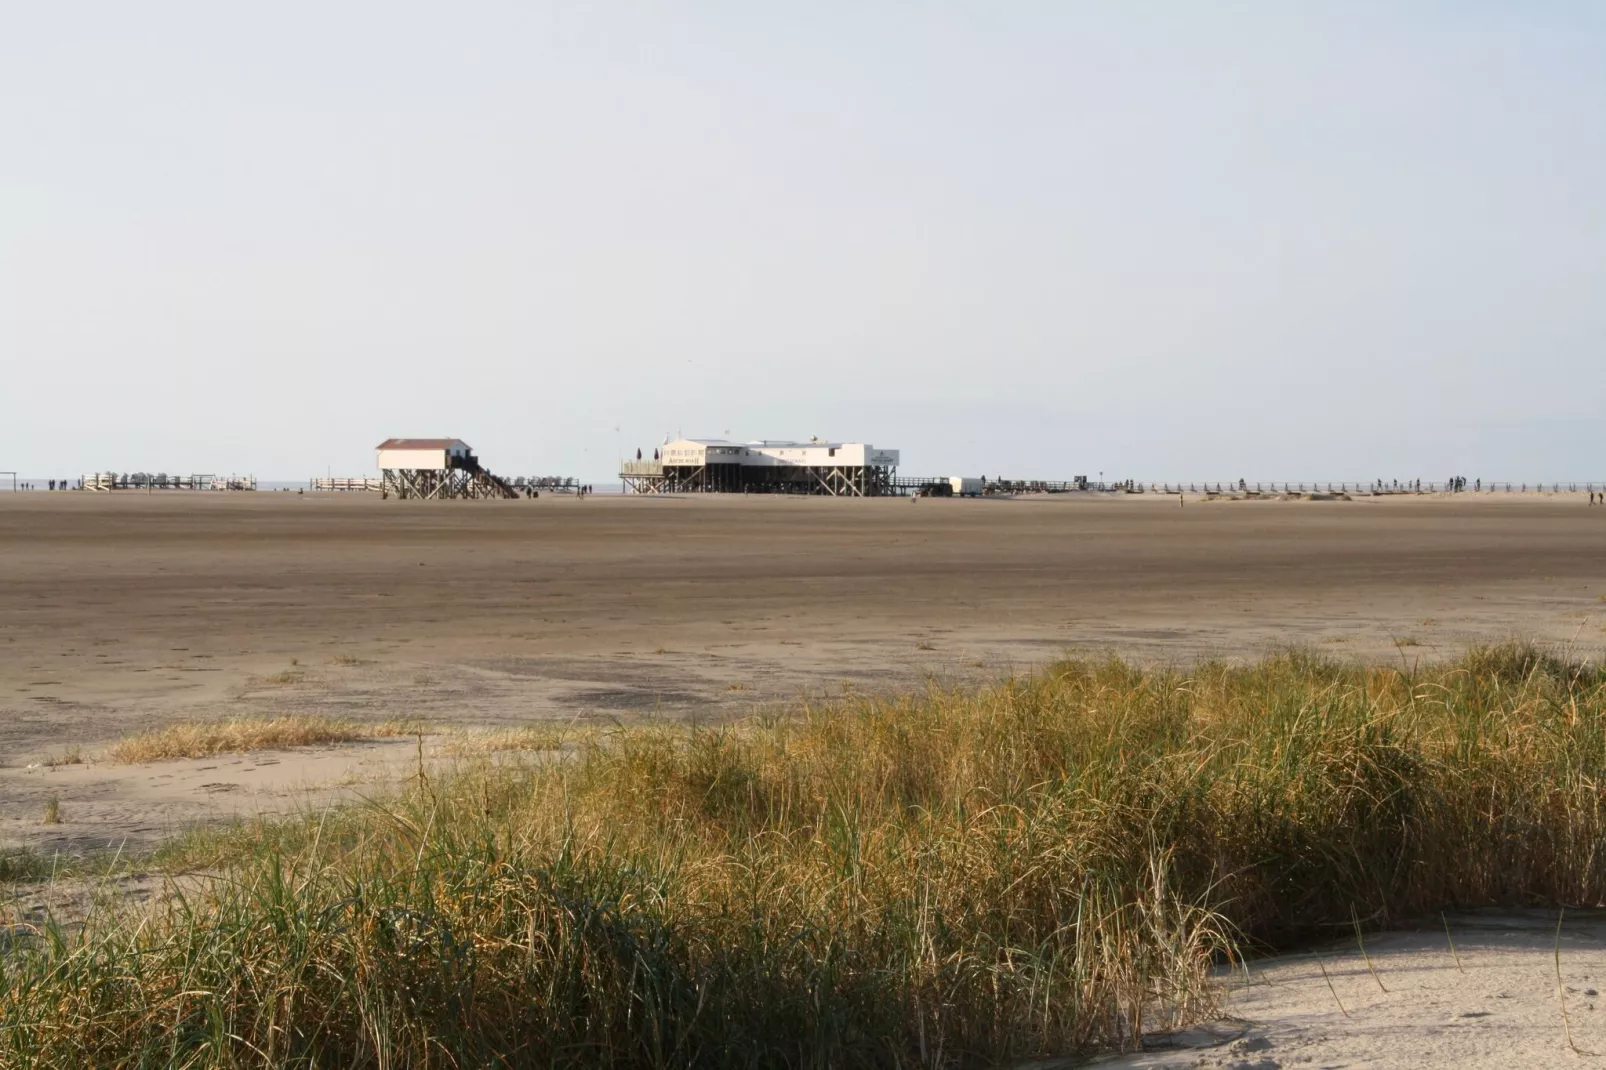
638	453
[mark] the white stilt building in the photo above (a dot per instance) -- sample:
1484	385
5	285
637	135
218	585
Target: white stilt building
436	468
839	469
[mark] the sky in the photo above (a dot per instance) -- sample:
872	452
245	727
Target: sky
1161	241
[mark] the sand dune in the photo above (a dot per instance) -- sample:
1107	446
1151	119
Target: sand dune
1492	1004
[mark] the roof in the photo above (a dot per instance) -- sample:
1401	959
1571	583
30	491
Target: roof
766	443
420	443
773	443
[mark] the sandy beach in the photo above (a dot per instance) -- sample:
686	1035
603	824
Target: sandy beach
124	612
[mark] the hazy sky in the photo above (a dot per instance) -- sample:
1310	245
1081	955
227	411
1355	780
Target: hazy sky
1186	240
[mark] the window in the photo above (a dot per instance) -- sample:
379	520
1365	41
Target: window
833	451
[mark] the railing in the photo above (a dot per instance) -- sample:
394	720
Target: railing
346	484
1374	488
1320	486
553	484
162	481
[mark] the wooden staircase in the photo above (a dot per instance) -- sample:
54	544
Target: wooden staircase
486	484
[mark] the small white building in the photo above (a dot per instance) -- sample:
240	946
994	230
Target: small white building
423	454
436	468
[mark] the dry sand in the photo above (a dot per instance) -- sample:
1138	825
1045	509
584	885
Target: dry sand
1414	1006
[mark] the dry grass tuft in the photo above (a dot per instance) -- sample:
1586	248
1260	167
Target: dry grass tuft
70	756
1049	867
199	739
52	815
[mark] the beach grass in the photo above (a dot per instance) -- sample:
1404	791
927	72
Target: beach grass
202	739
1050	866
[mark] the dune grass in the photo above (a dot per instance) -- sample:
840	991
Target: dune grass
20	864
68	756
527	738
1050	866
201	739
